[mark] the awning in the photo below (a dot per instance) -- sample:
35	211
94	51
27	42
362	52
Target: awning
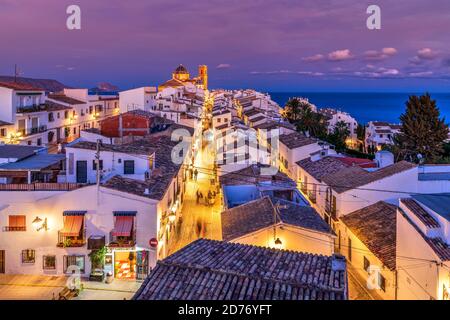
72	226
74	213
124	213
123	226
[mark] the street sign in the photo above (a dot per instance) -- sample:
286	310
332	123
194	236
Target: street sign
153	242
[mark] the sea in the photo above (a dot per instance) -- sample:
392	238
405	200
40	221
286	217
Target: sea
365	107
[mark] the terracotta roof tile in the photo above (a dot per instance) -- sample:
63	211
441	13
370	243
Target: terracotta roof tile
296	140
215	270
376	227
420	213
354	177
260	214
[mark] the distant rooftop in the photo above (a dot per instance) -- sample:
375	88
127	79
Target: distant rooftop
215	270
296	140
34	163
17	151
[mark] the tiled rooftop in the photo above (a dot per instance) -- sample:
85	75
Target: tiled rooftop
354	177
19	86
64	99
260	214
376	227
215	270
440	248
161	177
136	147
253	175
296	140
420	213
322	167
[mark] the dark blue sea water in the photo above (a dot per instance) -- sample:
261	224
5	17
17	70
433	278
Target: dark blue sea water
365	107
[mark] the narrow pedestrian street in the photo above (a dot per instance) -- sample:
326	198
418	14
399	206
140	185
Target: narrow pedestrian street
198	218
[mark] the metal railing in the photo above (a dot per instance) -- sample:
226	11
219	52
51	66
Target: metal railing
71	242
122	242
40	186
13	229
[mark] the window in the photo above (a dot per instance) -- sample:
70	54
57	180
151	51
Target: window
39	142
94	165
16	223
72	264
219	120
58	115
28	256
49	262
90	109
51	117
349	249
66	114
128	167
3	132
366	264
382	282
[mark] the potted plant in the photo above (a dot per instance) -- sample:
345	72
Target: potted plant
97	263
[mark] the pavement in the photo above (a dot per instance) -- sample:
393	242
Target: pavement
198	219
37	287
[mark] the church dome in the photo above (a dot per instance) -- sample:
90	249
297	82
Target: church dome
180	70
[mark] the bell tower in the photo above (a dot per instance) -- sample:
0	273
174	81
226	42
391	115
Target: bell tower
203	75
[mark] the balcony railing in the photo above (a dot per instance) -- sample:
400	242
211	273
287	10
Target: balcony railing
312	197
13	229
40	186
122	242
331	210
71	242
303	187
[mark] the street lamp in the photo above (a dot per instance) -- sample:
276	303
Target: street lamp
278	244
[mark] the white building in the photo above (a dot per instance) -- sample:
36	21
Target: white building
423	239
334	116
138	98
31	117
379	133
294	147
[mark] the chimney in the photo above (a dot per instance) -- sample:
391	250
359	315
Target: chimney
146	191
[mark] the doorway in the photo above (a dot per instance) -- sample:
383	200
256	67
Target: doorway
125	265
2	261
81	171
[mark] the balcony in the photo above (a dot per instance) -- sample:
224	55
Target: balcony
312	197
40	186
35	130
14	229
122	242
71	242
331	210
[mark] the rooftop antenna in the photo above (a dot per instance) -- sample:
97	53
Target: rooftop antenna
16	72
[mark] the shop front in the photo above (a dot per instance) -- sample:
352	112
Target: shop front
127	263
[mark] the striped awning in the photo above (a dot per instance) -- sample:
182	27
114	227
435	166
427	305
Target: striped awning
72	226
124	213
123	226
74	213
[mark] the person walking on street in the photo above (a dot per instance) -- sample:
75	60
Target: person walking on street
195	174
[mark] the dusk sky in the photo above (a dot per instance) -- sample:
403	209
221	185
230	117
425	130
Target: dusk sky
271	45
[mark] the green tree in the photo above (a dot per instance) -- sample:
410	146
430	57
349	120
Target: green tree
339	136
293	110
301	114
423	131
